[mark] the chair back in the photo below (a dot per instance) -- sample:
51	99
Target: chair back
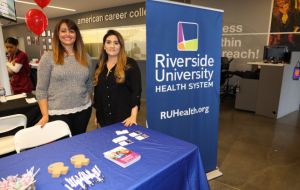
225	63
11	122
37	135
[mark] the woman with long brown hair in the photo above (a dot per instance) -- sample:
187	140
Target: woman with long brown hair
64	85
117	83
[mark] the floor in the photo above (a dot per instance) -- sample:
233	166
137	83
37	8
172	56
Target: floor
255	152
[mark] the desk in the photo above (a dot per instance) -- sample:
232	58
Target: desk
267	64
20	106
166	163
277	93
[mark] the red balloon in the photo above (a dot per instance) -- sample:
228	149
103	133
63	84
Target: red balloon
36	21
42	3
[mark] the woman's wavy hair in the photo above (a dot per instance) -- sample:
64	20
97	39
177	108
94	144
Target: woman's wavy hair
122	59
58	49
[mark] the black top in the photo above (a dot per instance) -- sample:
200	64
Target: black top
113	101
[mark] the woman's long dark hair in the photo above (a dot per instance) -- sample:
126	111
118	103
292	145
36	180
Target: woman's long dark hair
122	58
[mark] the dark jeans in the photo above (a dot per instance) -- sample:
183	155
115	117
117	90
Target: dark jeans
77	121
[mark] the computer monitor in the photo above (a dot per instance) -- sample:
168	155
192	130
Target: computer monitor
8	10
276	54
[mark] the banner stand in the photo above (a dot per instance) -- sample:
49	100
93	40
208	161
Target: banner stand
214	174
183	74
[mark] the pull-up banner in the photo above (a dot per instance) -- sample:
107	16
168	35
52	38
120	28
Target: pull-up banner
183	73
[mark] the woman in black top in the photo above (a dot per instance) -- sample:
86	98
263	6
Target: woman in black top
117	83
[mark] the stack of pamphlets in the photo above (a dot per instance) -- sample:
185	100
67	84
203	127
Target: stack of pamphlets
122	156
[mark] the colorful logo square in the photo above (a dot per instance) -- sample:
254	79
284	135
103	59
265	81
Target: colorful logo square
187	36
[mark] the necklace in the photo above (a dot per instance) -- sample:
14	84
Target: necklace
109	66
108	71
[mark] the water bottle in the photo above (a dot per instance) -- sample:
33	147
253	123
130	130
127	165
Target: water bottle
2	94
2	91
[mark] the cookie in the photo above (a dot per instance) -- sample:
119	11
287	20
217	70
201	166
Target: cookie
57	169
79	160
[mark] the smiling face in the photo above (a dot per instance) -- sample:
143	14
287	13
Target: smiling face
67	36
112	46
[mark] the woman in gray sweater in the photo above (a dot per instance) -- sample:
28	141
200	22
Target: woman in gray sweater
64	85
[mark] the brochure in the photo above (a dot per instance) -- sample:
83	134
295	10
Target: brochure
122	156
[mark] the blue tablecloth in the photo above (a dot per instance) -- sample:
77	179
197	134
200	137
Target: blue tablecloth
166	162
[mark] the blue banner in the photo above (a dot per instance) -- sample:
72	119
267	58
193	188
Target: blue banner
183	73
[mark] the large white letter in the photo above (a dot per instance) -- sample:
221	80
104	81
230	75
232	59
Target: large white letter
161	61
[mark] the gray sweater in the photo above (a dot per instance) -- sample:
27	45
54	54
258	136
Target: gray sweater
66	87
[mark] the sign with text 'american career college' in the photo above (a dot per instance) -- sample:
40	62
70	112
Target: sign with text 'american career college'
183	74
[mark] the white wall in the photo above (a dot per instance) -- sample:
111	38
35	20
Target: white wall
4	80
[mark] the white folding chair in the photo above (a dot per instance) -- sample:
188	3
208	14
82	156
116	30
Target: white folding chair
37	135
7	124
